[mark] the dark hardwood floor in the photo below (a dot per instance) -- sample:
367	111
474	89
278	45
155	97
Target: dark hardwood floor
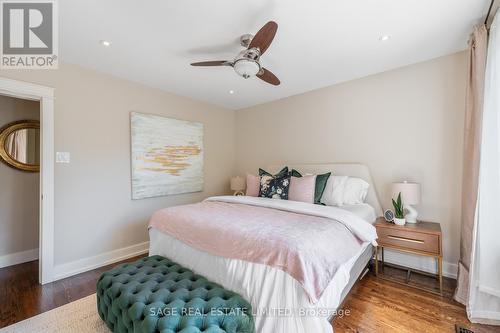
379	305
22	297
374	304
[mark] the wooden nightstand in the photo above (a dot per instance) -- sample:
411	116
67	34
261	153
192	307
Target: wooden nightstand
422	238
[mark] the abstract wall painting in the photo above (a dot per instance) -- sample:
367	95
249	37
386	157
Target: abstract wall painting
167	156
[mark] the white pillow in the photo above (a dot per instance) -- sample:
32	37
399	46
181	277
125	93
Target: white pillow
334	191
355	191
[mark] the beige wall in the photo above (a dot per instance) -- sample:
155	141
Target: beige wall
94	212
18	190
404	124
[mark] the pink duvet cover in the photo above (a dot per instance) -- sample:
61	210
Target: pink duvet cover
304	241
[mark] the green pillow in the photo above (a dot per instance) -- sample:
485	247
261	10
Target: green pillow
320	184
295	173
280	174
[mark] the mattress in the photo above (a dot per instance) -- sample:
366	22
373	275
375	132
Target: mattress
279	302
364	210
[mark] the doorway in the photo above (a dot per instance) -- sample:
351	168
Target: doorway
20	180
44	97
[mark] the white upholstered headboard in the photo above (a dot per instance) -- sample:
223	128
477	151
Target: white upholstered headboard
340	169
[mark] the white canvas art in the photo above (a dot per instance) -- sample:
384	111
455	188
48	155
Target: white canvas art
167	156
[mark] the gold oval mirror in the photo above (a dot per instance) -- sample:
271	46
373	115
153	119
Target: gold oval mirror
20	145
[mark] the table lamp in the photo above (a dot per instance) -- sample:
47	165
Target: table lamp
410	195
238	185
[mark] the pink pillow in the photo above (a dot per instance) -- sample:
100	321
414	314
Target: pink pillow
302	189
253	185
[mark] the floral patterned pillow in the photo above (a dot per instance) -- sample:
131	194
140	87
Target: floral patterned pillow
274	187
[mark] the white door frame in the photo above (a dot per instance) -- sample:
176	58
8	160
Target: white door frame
45	95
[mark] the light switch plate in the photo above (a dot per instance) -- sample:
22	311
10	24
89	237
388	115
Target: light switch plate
63	157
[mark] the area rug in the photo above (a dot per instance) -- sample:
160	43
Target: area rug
79	316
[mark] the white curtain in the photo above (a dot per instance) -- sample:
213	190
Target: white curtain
484	288
17	144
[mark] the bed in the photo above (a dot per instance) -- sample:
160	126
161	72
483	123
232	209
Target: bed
282	302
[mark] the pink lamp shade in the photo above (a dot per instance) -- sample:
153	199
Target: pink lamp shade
410	192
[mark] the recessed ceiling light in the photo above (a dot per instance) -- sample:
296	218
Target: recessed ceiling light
384	38
105	43
231	92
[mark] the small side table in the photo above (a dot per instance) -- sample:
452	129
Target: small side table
422	238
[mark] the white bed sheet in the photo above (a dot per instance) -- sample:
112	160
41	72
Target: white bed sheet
364	210
279	302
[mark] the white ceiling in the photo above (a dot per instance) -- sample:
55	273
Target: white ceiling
319	43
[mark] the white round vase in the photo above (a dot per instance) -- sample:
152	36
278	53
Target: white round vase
399	221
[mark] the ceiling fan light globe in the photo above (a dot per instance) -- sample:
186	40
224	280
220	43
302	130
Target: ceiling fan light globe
246	68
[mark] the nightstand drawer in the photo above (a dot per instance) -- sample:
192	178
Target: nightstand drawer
410	240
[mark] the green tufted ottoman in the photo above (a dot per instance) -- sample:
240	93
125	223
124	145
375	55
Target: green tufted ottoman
155	294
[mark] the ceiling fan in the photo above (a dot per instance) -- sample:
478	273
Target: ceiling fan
247	62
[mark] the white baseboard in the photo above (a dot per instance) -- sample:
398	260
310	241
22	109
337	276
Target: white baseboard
87	264
426	264
18	258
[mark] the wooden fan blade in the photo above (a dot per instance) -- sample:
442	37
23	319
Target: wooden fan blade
269	77
212	63
264	37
